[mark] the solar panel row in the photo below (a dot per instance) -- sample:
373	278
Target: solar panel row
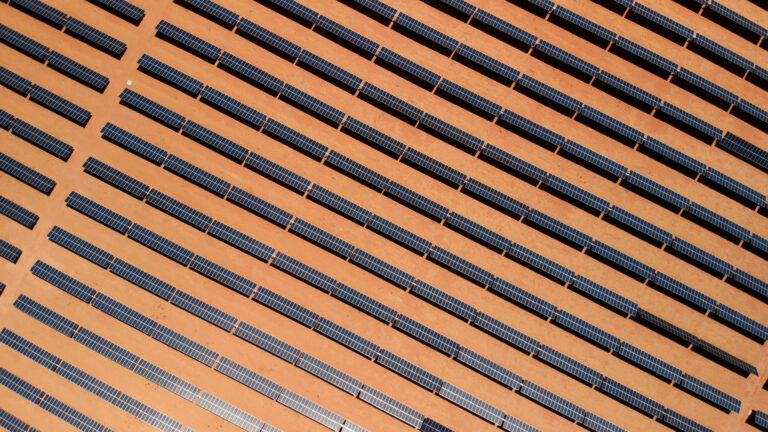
17	212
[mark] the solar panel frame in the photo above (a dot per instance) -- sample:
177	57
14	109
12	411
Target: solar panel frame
135	144
278	173
751	282
719	221
450	133
171	74
340	204
102	40
391	101
365	303
522	297
26	174
122	8
514	425
462	266
20	387
711	393
496	197
185	345
656	189
552	268
682	422
9	251
550	93
106	348
632	397
160	244
148	414
707	85
74	69
209	313
761	418
472	403
229	412
5	120
215	141
18	213
241	241
505	27
259	207
569	365
444	300
506	333
29	46
347	338
650	362
627	87
605	295
233	107
347	80
641	225
409	370
299	140
584	23
70	415
88	382
674	155
13	424
116	178
47	316
481	103
566	57
487	62
152	109
443	171
742	321
98	212
662	20
391	406
123	313
59	105
596	159
689	119
588	330
745	149
753	110
644	53
205	49
613	124
215	10
513	162
248	377
310	409
735	186
30	350
297	9
63	281
382	269
223	275
430	425
553	401
142	279
427	335
319	108
722	52
322	237
42	10
599	424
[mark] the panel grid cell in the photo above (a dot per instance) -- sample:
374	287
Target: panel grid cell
215	141
522	297
441	39
259	207
313	104
451	132
462	266
408	66
472	403
348	80
63	281
348	35
295	138
286	307
365	303
542	263
233	107
142	279
650	362
329	374
179	210
553	401
444	300
489	368
340	204
185	345
559	228
269	38
391	406
59	105
204	310
250	72
409	370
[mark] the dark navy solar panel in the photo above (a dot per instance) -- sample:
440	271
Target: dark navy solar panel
160	244
215	141
513	162
550	93
663	21
233	107
583	23
658	190
88	382
553	401
70	415
742	321
430	425
522	297
751	282
383	269
296	138
761	419
691	120
13	424
98	212
122	8
81	73
571	190
532	128
378	8
745	149
596	159
496	197
17	212
9	251
81	247
167	380
706	85
203	48
259	207
738	19
170	74
269	38
297	9
446	42
460	5
505	27
714	395
248	377
567	58
277	172
702	256
59	105
667	327
42	10
641	225
569	365
514	425
614	125
185	345
142	279
45	315
489	368
347	338
733	185
26	174
674	155
63	281
20	387
759	242
753	110
650	362
599	424
547	5
408	66
340	204
106	348
561	229
472	403
347	34
223	275
627	88
413	198
367	304
467	96
215	10
724	357
409	370
683	423
135	144
322	237
304	272
722	52
204	310
102	40
250	72
391	101
604	295
27	348
427	335
444	300
267	342
241	241
620	258
391	406
719	221
152	109
633	398
21	42
589	331
348	80
487	62
197	175
477	231
462	266
542	263
329	374
506	333
5	120
646	54
123	313
286	307
451	132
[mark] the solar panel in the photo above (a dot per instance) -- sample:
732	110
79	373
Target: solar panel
148	414
340	204
667	327
460	6
657	190
347	35
707	86
466	96
645	54
531	127
477	231
95	37
142	279
204	310
542	263
391	102
170	74
329	374
745	149
304	272
674	155
641	225
215	141
702	256
683	423
451	133
250	72
623	260
616	126
27	348
294	8
267	342
430	425
604	295
229	412
723	357
241	241
79	246
567	58
550	93
98	212
599	424
444	300
570	366
20	387
382	269
721	51
59	105
712	394
738	19
367	304
160	244
322	237
197	175
524	298
506	28
123	313
583	23
761	419
719	221
26	174
626	87
553	401
316	106
486	62
633	398
223	275
496	197
427	335
692	121
17	212
9	251
185	345
462	266
513	162
759	242
152	109
286	307
751	282
409	370
559	228
650	362
277	172
444	172
347	338
74	69
134	144
88	382
506	333
595	159
201	47
489	368
122	8
408	67
13	424
310	409
472	403
663	21
447	43
233	107
742	321
70	415
515	425
296	139
753	110
45	315
391	406
581	195
259	207
248	377
29	46
63	281
271	40
106	348
42	10
328	70
5	120
587	330
732	185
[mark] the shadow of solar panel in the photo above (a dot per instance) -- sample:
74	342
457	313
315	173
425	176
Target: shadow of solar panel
9	251
123	313
599	424
366	304
425	34
322	238
417	201
541	263
63	281
304	272
486	64
204	310
329	71
373	137
450	133
215	141
710	393
268	39
514	164
17	213
747	193
241	241
81	247
134	144
152	109
701	256
550	400
723	358
28	46
382	269
682	422
718	221
345	36
755	30
170	74
286	307
259	207
267	342
549	95
444	300
646	55
347	338
632	398
572	63
232	107
41	139
148	414
391	406
45	315
570	366
197	175
664	22
59	105
699	126
583	154
229	412
98	212
41	10
20	387
26	174
295	139
506	333
185	345
28	349
250	73
412	70
427	335
277	172
310	409
712	48
657	191
611	127
489	368
604	295
188	41
469	99
248	377
223	275
640	225
122	8
523	298
478	232
213	10
160	244
560	229
70	415
167	380
81	73
461	266
339	204
179	210
329	374
587	330
390	103
142	279
434	167
106	348
650	362
409	370
706	86
94	37
88	382
742	321
626	262
472	403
